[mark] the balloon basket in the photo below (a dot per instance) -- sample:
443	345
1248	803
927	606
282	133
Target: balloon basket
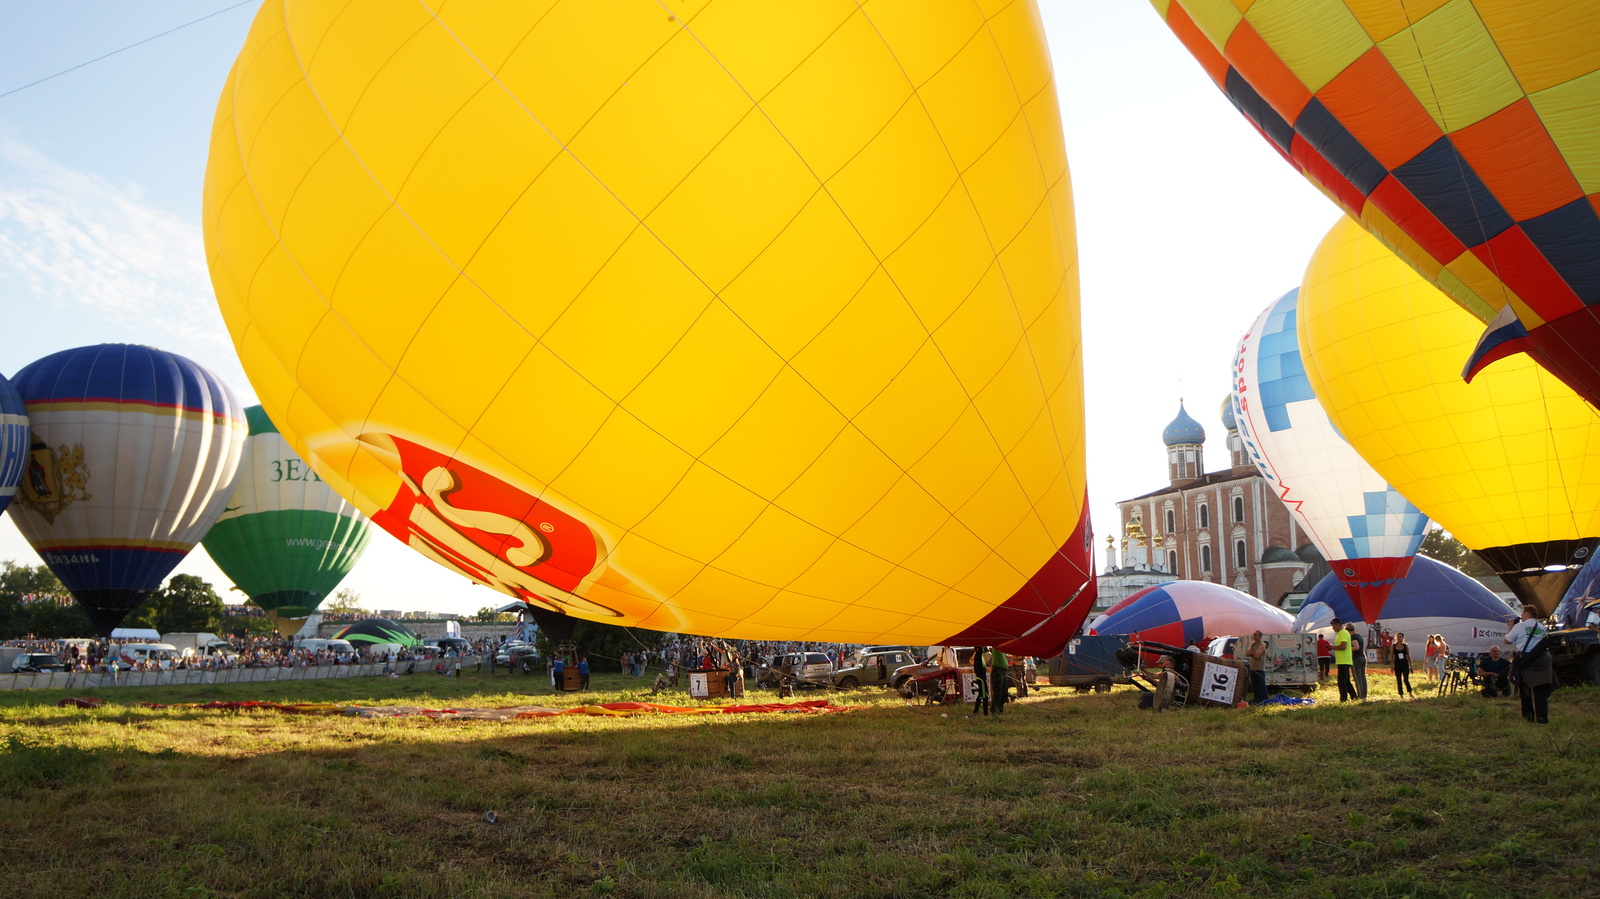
715	683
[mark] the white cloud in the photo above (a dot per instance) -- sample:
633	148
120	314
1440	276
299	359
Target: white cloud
84	260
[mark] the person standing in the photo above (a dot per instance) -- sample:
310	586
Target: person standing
980	682
557	668
1441	657
1429	654
1324	657
583	670
1257	654
1358	655
1401	651
1536	675
1342	661
999	678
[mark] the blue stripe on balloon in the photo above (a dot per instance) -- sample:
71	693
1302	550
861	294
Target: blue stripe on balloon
124	373
117	568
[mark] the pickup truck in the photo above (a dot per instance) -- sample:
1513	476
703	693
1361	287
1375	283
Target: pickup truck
1576	653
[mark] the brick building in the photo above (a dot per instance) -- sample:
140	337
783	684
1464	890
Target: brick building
1227	527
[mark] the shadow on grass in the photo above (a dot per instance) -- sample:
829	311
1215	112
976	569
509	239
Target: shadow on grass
1064	795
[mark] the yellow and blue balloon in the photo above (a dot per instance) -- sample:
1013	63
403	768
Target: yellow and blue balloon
1509	464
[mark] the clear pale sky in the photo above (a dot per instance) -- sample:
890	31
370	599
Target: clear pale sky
1188	226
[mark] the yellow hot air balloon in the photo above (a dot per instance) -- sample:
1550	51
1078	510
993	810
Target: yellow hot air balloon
739	319
1509	464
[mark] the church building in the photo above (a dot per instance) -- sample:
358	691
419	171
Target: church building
1228	527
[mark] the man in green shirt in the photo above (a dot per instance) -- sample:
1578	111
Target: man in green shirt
999	678
1342	658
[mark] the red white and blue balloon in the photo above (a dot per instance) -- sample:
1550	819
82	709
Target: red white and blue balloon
1366	530
1184	612
1432	599
133	456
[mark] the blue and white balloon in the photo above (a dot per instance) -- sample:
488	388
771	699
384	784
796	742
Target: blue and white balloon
13	441
133	456
1366	530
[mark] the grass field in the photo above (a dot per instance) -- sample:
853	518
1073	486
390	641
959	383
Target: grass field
1065	795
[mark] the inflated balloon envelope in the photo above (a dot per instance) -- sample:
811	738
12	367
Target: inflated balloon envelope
1509	464
1460	133
1366	530
285	539
134	455
13	441
731	319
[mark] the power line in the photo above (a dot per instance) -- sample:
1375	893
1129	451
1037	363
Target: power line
127	48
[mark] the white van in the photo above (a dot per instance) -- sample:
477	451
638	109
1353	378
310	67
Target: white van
341	648
161	656
201	645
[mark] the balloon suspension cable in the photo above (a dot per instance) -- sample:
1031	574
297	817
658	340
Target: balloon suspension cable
127	48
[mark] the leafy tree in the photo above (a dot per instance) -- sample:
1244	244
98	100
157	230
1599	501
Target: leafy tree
186	604
247	626
489	615
40	617
344	600
52	621
25	579
1441	546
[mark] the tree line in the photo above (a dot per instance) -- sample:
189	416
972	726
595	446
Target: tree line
33	601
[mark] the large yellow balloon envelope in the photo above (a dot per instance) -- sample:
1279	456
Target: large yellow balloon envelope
1463	134
1509	464
751	319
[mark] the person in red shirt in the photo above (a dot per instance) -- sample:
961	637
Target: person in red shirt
1324	657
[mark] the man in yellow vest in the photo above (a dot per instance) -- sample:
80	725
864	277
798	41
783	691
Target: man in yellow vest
1342	658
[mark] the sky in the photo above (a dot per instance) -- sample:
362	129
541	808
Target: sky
1189	224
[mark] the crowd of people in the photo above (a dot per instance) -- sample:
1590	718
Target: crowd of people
105	656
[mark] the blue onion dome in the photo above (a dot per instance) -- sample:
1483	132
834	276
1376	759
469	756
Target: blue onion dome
1228	424
1183	430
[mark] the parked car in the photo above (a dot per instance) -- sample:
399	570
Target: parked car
448	644
804	667
37	663
513	650
867	672
915	652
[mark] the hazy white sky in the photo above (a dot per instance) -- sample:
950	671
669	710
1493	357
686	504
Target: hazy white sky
1188	225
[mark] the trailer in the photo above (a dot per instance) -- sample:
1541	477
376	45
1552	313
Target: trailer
1091	662
1291	661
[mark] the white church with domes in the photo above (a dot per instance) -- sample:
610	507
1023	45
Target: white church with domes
1228	527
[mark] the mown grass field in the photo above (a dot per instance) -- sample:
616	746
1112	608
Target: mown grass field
1066	795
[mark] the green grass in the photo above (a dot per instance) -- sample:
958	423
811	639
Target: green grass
1066	795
